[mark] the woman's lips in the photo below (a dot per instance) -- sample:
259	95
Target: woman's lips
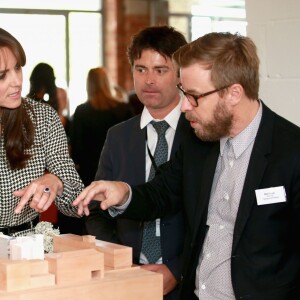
16	94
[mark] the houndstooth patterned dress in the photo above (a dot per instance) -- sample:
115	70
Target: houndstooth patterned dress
50	152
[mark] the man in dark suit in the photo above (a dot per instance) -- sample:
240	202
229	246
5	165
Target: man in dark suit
127	156
239	176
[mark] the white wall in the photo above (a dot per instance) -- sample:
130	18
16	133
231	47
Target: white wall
274	27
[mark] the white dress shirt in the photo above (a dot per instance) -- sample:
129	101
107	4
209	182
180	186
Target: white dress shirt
213	275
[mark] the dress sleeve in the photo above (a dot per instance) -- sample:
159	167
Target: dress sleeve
59	163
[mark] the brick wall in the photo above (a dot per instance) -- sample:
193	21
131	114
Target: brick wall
122	19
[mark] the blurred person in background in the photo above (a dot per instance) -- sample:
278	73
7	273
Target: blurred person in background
43	88
92	119
89	125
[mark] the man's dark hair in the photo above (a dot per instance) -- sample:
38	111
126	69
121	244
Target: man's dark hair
162	39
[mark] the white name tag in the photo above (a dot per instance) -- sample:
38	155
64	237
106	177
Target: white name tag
270	195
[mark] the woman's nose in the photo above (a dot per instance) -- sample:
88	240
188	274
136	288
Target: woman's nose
17	78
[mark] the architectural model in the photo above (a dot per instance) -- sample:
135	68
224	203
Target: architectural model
81	267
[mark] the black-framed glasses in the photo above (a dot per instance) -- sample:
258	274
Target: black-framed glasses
193	99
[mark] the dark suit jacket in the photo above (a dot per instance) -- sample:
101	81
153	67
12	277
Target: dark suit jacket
266	249
88	131
123	158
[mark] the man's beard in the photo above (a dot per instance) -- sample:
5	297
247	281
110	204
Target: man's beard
214	130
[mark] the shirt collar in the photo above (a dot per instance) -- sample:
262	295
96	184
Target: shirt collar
242	141
172	118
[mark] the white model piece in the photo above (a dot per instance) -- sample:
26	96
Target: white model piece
27	247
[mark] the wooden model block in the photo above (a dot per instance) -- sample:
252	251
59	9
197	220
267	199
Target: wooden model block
69	242
89	239
42	280
76	266
14	275
136	284
40	276
115	256
38	267
18	275
132	284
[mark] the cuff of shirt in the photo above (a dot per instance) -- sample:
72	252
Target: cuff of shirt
118	210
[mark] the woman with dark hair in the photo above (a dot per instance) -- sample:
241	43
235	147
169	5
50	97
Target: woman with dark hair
35	167
43	88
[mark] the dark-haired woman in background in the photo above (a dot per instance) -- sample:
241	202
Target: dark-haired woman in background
43	88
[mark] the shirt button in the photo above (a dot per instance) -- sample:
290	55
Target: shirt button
221	226
203	287
231	163
226	196
208	255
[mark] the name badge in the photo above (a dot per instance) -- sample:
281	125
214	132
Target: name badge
270	195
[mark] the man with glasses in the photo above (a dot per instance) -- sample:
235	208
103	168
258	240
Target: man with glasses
238	175
193	99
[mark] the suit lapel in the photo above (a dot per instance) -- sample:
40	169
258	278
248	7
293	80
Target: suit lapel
182	128
137	144
257	165
203	188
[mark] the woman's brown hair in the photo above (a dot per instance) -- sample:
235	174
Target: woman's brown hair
17	127
99	90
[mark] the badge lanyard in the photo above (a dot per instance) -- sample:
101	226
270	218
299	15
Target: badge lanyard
149	153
